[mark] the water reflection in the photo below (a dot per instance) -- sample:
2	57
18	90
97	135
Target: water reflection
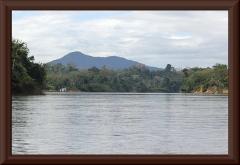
101	123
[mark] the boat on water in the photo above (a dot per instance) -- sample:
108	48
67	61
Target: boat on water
63	90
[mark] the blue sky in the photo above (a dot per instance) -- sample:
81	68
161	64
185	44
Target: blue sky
155	38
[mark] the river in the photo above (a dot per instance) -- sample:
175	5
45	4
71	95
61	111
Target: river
119	123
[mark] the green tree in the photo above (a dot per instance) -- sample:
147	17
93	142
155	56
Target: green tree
27	77
168	68
220	74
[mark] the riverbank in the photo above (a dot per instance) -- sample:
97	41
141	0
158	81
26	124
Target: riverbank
212	91
209	91
71	90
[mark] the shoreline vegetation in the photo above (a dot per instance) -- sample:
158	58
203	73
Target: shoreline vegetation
34	78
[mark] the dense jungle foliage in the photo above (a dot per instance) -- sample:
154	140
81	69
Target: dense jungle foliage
27	77
137	78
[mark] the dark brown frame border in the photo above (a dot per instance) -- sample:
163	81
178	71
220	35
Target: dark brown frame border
7	6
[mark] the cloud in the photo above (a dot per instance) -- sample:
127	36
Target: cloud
175	37
155	38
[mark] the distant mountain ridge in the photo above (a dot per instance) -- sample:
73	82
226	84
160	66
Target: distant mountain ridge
85	61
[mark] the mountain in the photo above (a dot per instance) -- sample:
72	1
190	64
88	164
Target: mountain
85	61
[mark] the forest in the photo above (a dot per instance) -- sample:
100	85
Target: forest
137	78
29	77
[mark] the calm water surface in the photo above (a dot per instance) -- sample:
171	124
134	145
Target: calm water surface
119	123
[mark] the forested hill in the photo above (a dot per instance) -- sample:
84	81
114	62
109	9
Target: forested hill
85	61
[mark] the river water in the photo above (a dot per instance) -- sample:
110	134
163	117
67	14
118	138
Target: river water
119	123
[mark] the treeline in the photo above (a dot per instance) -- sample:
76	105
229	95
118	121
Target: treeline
137	78
27	77
133	79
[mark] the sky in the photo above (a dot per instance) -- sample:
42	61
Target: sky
154	38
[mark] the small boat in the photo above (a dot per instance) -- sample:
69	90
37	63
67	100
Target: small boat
63	90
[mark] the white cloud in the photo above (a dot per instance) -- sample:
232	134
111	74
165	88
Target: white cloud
155	38
174	37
